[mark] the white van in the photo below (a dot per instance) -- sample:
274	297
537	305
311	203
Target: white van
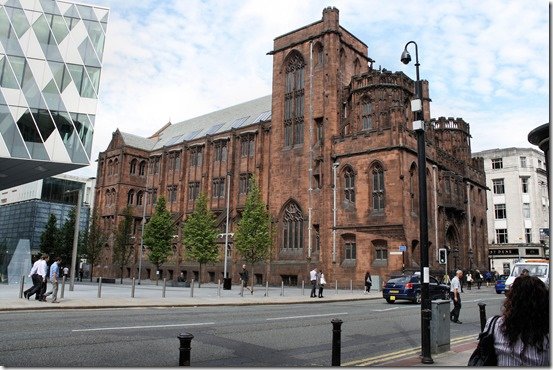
539	268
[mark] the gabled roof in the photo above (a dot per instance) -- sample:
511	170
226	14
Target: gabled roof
241	115
137	141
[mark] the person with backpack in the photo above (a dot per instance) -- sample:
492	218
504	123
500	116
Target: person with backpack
368	282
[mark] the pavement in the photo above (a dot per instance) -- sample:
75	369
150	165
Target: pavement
90	295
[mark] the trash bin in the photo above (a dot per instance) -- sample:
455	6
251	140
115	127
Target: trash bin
227	283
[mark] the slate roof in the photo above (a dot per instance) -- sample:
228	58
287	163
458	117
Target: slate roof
241	115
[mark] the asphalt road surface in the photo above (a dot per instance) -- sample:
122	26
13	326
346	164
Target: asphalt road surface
261	336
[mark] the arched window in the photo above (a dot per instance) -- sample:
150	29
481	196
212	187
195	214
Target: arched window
356	66
349	184
366	115
294	101
139	198
292	227
115	166
130	197
412	186
142	168
110	167
378	188
319	54
108	198
133	167
380	250
350	248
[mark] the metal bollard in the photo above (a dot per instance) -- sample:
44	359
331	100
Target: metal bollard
336	341
266	289
21	286
164	287
132	287
303	287
336	288
241	288
62	286
282	289
482	307
351	286
192	288
184	350
100	287
219	288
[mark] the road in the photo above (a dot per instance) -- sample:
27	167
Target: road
261	336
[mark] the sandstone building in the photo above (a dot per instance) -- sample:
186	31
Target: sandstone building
335	154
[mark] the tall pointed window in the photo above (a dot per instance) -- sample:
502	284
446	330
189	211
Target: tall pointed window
292	227
366	115
294	101
349	184
378	188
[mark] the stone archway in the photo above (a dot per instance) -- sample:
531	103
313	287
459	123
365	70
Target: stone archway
453	247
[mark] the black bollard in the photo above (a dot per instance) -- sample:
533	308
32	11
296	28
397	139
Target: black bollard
336	341
184	355
482	307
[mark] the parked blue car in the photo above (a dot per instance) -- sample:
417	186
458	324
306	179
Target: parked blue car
500	284
408	287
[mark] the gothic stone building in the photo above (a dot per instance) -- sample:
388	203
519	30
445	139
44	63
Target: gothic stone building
335	154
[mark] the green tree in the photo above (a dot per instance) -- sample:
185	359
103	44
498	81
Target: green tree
200	235
66	236
94	241
123	247
158	235
252	237
49	238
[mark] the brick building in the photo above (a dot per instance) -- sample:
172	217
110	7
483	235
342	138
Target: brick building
346	203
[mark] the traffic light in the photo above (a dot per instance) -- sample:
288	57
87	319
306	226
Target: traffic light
442	256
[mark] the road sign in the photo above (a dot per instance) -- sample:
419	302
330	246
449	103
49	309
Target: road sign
403	248
399	253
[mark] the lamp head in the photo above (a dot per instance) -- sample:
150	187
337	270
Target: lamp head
405	57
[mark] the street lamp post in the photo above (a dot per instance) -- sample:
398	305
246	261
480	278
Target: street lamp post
419	126
75	241
455	256
146	192
471	254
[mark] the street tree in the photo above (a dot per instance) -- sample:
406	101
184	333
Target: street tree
200	235
122	246
66	236
49	239
94	241
253	236
158	235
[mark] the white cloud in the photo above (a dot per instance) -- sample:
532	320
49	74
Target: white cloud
486	62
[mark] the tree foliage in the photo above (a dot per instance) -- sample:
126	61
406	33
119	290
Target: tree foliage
49	239
158	234
122	246
94	241
66	236
200	235
252	237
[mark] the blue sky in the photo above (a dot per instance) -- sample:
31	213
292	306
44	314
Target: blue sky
486	61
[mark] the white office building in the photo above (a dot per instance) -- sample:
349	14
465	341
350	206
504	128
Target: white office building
51	55
518	205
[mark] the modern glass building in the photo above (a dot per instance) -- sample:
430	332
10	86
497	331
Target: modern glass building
50	63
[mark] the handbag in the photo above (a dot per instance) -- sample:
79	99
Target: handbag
484	354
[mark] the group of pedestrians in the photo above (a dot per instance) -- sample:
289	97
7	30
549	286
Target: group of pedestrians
318	281
40	274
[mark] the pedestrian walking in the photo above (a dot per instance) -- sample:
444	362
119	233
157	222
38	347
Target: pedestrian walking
36	279
456	297
520	338
479	278
39	276
446	279
66	272
488	277
54	279
244	277
321	283
469	281
368	282
81	273
313	278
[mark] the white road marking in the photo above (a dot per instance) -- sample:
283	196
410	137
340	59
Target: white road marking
306	316
144	327
386	309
